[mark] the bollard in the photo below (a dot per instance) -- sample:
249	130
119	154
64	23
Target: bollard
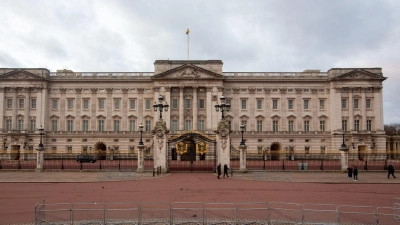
62	165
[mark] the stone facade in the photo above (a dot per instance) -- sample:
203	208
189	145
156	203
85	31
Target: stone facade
293	112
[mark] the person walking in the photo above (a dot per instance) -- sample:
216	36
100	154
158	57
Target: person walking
391	171
355	173
219	170
350	173
226	170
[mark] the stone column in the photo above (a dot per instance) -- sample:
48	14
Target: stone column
298	126
243	152
181	109
125	108
169	101
223	143
109	109
195	108
140	168
27	108
140	106
78	109
209	107
350	106
160	145
39	161
344	160
314	108
2	109
62	109
93	109
14	108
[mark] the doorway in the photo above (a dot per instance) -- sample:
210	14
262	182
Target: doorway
276	151
100	151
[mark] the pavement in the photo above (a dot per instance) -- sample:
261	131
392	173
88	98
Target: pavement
281	176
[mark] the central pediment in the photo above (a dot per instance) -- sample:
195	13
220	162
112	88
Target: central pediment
188	71
359	74
20	74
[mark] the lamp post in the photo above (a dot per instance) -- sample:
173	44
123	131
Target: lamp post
160	106
140	152
344	153
222	106
242	147
62	160
39	158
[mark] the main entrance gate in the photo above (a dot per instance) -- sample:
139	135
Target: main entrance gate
191	152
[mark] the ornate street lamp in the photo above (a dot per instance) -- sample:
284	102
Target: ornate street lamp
344	146
160	106
242	143
223	106
140	152
39	158
41	132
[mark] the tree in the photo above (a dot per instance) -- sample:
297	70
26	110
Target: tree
392	129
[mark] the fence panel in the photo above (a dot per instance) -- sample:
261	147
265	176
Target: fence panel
253	213
319	213
155	213
88	213
285	213
53	214
356	214
220	213
122	213
187	213
387	215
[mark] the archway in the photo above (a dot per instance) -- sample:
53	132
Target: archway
276	151
361	152
100	150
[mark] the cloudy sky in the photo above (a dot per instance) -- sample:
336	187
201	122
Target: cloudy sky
247	35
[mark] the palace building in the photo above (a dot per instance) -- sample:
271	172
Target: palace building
282	112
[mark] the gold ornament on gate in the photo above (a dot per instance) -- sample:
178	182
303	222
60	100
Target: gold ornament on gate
181	148
201	148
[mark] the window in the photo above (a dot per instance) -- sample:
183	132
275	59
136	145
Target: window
322	150
356	103
188	125
148	104
70	104
148	125
244	104
188	103
259	125
201	125
174	125
70	125
21	103
101	125
101	104
368	103
85	125
229	124
275	126
275	104
369	125
132	125
33	103
9	124
116	125
306	104
9	103
259	103
290	128
132	104
33	125
55	104
69	149
54	125
290	104
356	125
344	125
201	103
321	104
322	125
20	124
306	125
307	150
85	103
174	103
244	122
117	103
344	103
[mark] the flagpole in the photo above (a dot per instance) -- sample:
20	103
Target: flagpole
188	45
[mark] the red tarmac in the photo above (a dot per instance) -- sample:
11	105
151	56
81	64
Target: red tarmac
20	191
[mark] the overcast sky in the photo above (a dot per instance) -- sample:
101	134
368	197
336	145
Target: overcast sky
248	36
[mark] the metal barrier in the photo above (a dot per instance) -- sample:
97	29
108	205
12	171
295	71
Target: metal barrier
132	213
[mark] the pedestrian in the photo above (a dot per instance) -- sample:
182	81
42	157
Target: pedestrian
226	170
19	165
1	166
350	173
391	171
219	170
355	173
